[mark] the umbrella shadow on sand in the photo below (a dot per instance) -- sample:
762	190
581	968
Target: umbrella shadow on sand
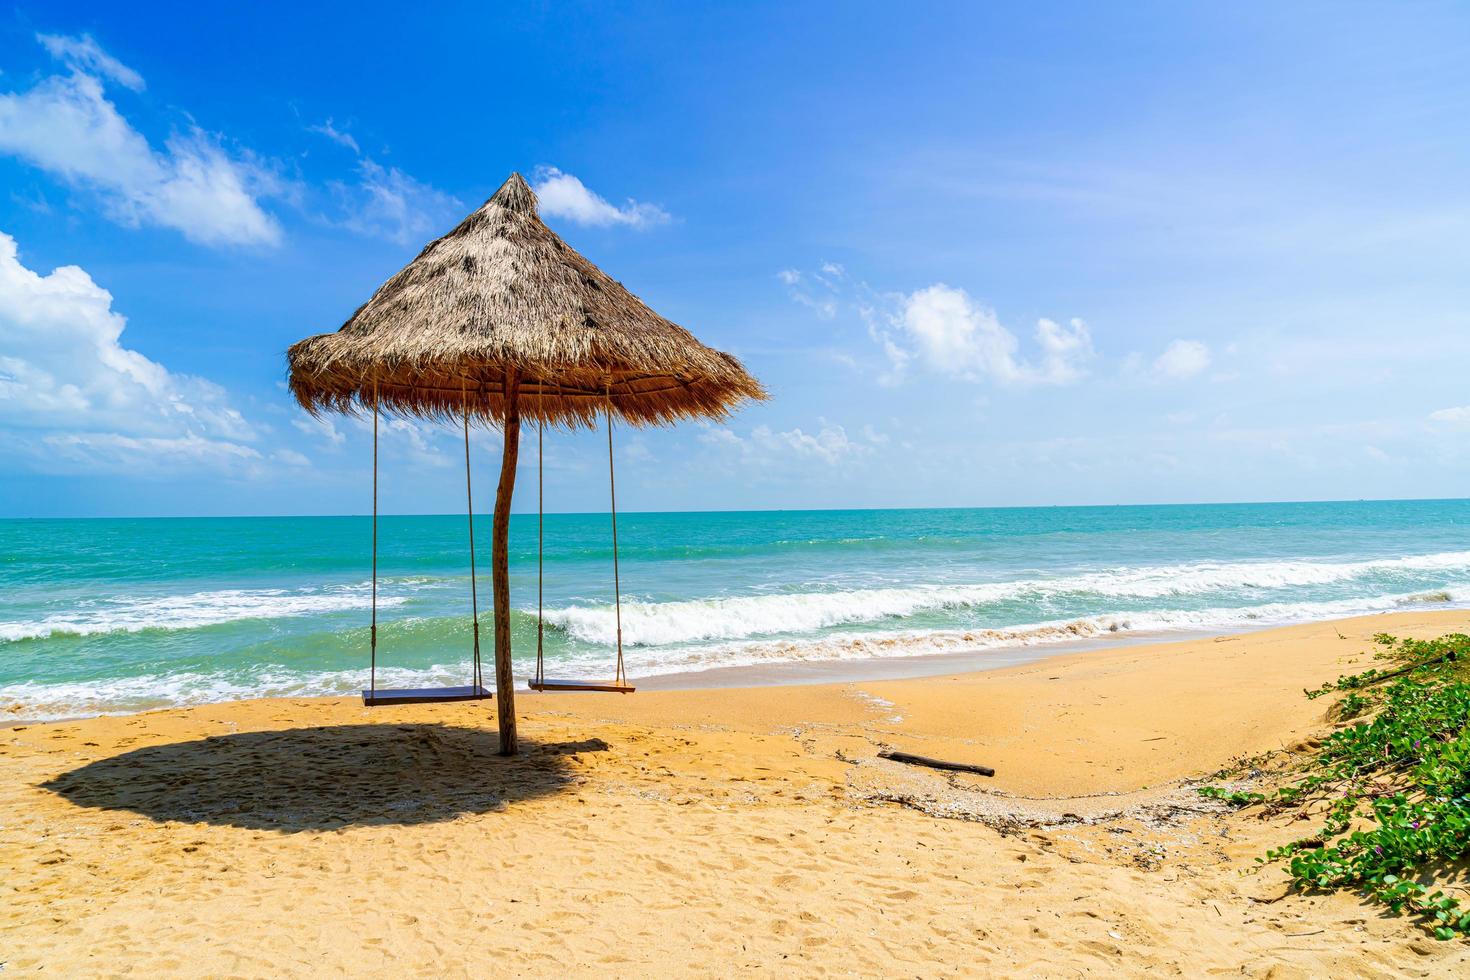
324	778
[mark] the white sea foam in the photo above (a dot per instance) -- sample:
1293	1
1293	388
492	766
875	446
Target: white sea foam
33	701
919	643
192	611
737	617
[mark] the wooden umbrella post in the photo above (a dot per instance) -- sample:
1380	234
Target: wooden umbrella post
505	698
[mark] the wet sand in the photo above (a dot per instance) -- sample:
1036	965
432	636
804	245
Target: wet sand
857	669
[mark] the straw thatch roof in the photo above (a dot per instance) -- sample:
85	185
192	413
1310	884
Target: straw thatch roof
503	292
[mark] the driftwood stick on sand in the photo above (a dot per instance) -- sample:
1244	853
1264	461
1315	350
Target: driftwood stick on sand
920	760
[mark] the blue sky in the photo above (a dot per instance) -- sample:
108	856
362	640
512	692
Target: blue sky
980	254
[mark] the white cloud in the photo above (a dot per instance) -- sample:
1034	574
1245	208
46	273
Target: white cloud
115	451
417	442
1460	415
942	329
823	300
720	437
70	389
1064	350
388	203
564	196
636	452
898	357
1183	359
322	427
86	55
945	330
290	457
824	306
339	136
385	202
830	444
67	126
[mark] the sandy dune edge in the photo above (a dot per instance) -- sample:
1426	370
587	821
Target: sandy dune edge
698	832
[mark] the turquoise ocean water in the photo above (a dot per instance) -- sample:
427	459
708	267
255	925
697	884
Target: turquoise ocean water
120	615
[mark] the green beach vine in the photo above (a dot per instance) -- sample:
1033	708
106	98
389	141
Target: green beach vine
1393	789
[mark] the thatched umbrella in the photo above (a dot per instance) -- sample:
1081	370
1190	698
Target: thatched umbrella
501	320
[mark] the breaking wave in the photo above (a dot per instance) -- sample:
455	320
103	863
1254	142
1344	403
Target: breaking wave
737	617
193	611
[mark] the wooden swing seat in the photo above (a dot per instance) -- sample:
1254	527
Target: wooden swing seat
423	695
547	684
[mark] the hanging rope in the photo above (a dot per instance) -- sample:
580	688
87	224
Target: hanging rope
476	679
373	633
612	487
540	545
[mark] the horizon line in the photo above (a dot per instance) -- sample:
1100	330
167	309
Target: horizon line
753	510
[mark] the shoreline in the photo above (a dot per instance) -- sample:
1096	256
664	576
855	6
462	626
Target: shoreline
917	666
782	674
796	672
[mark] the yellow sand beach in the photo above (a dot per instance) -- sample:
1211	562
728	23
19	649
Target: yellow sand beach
699	832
